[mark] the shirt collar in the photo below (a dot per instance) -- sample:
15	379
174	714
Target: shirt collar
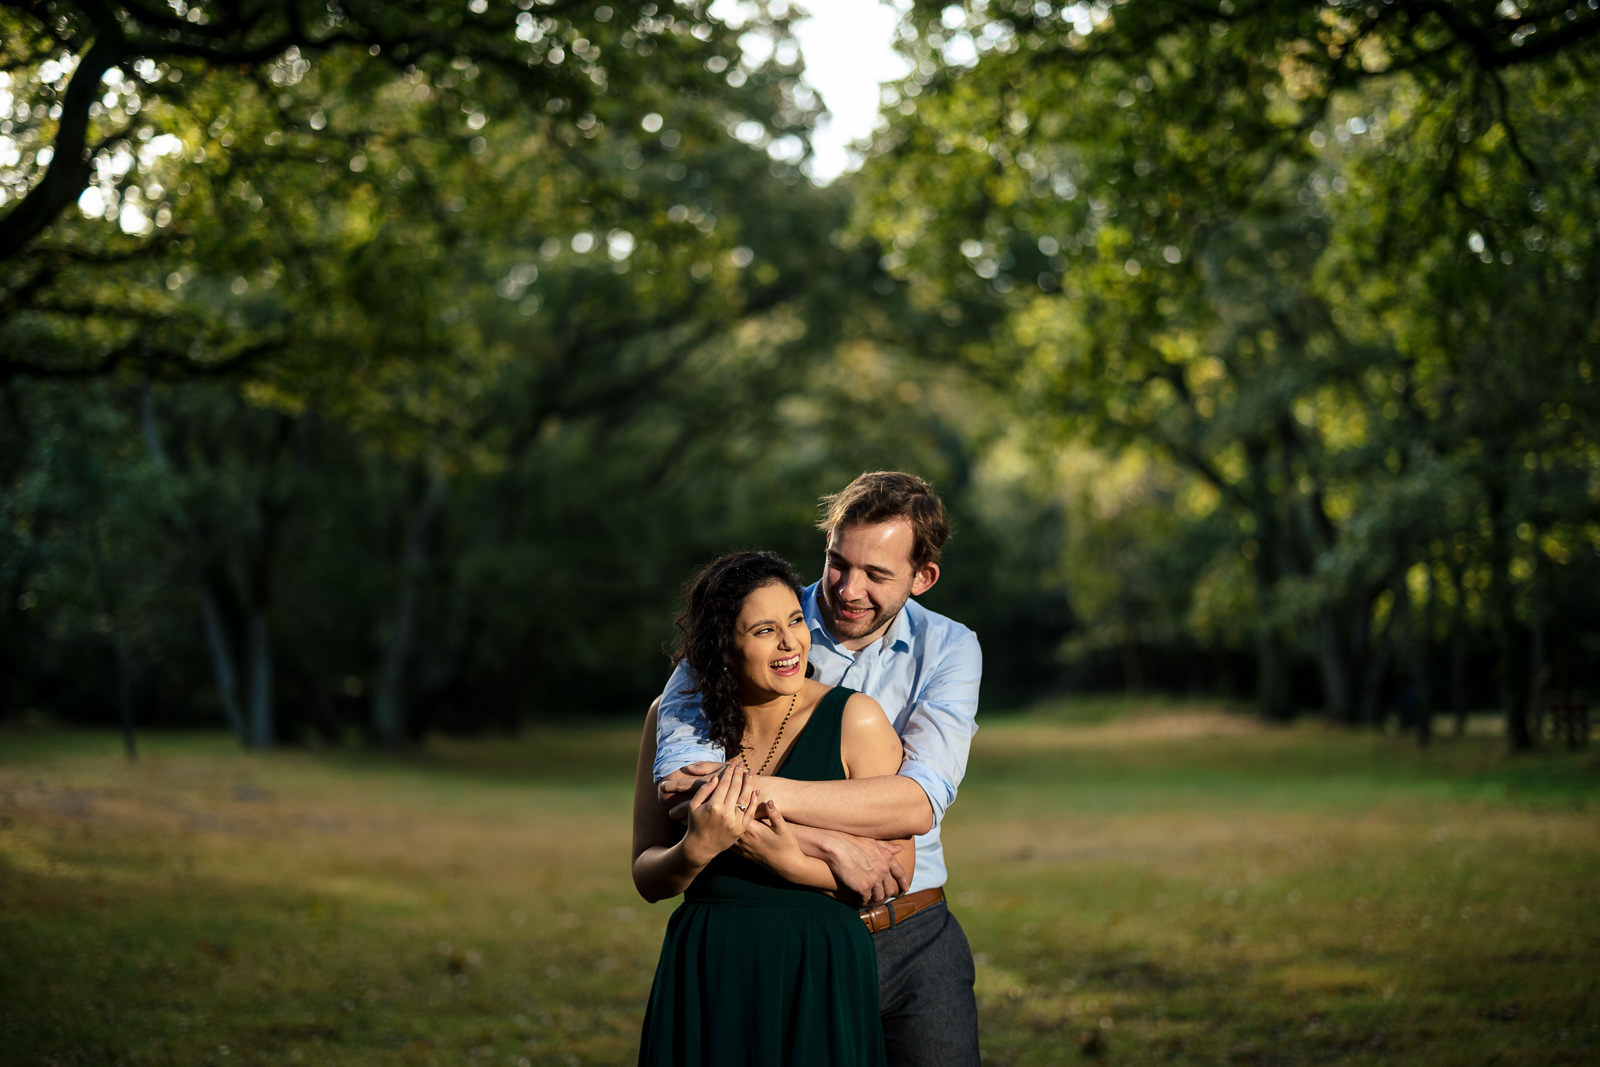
897	639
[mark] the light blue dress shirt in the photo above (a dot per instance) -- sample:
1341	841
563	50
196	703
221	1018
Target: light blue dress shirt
924	671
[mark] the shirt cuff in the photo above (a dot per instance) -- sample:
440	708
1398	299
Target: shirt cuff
940	793
683	745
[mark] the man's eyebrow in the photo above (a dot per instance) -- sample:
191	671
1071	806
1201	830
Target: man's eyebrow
874	568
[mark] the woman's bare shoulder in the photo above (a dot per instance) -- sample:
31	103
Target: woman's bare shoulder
861	712
868	744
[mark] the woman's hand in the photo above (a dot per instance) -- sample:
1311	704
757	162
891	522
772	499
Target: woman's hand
720	811
770	842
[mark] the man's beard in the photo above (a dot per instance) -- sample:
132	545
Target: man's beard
844	629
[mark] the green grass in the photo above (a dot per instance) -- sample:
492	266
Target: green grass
1141	884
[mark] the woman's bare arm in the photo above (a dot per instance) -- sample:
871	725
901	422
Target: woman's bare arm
868	747
882	805
663	863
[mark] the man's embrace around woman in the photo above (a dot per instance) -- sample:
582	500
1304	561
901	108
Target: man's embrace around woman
809	797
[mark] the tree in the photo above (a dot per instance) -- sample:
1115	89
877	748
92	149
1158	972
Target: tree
97	67
278	184
1166	260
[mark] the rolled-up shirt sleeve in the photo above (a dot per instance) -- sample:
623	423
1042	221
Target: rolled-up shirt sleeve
682	734
944	717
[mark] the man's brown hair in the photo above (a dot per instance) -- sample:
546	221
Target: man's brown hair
881	496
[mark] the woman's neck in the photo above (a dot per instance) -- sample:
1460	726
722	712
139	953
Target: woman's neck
759	705
766	709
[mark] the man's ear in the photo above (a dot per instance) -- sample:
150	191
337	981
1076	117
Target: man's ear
923	580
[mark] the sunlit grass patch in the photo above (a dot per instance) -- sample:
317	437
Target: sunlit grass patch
1140	891
1275	896
287	904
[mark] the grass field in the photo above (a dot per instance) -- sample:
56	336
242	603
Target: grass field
1163	884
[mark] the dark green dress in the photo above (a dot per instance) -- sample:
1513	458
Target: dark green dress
756	970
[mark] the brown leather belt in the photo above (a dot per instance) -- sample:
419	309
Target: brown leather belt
900	909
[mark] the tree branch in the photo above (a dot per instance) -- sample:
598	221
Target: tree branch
141	351
68	172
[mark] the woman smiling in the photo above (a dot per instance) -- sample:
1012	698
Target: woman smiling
759	965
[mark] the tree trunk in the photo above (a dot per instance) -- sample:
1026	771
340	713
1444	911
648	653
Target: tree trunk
1374	669
219	647
1273	699
1511	667
222	663
1334	661
1272	677
1421	660
1538	677
121	657
1514	691
389	705
271	508
10	636
1132	664
1458	650
1371	711
252	719
262	727
119	646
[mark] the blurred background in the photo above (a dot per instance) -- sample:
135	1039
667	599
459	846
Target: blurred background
377	371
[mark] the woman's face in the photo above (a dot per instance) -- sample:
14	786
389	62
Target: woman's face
770	642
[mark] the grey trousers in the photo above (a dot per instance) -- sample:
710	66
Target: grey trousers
925	975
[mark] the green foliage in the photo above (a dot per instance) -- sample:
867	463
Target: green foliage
380	371
1323	260
425	339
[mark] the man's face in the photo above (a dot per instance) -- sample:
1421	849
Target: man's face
868	578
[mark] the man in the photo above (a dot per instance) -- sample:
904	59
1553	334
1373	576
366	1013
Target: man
885	532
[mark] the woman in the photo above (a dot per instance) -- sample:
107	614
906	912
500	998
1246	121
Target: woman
759	964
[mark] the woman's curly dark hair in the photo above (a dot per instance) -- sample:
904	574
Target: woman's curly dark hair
712	601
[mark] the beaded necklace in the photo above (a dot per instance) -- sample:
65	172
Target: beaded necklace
773	751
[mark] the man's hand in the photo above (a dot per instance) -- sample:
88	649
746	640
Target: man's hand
770	841
675	789
868	868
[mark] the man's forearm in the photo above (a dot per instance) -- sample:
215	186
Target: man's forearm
886	807
866	870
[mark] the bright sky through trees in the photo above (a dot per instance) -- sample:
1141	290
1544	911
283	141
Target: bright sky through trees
849	52
848	47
